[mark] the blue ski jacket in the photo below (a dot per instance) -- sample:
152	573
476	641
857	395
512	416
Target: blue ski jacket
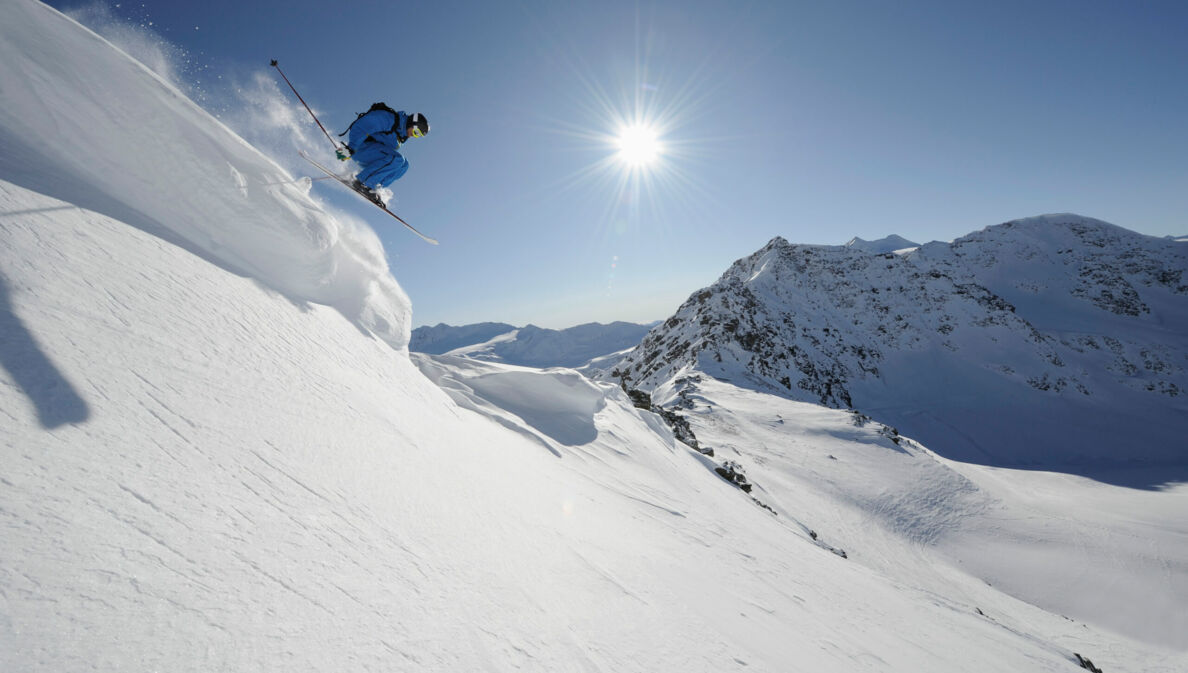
374	140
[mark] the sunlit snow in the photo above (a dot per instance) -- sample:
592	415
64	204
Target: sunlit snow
217	454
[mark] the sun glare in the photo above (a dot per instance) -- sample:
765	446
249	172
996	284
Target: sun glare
640	133
639	145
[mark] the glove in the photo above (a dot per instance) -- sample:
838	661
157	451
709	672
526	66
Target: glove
343	153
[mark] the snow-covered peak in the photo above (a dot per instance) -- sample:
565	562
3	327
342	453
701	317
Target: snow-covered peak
442	338
529	345
1053	268
1054	232
892	243
1073	328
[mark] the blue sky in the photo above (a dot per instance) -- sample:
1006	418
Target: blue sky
812	121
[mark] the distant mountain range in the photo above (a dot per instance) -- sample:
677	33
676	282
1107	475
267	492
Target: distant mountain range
1055	340
891	243
530	346
442	338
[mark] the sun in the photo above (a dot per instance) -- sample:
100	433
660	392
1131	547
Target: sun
639	145
641	137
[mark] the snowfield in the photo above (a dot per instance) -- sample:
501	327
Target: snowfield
217	455
1116	557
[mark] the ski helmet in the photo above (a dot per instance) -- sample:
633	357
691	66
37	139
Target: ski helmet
418	126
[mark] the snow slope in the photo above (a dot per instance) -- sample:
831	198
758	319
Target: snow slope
89	130
243	485
216	453
1055	343
1116	557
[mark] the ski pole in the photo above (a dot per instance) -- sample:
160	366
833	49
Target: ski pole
315	117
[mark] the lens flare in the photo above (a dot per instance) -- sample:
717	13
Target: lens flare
643	134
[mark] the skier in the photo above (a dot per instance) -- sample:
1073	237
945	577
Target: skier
374	142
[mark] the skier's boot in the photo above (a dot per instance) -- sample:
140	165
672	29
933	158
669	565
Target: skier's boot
368	192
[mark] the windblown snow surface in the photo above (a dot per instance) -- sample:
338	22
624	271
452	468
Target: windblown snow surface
216	454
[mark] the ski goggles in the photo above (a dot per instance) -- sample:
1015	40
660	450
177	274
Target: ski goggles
415	132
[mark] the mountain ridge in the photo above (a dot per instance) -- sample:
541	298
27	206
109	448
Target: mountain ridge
949	331
891	243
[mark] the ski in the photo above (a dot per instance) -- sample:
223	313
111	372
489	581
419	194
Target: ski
347	183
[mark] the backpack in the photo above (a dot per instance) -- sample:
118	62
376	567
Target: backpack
373	108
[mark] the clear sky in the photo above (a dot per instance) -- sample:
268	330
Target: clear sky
815	121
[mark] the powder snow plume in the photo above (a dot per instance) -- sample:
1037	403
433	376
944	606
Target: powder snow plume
77	134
